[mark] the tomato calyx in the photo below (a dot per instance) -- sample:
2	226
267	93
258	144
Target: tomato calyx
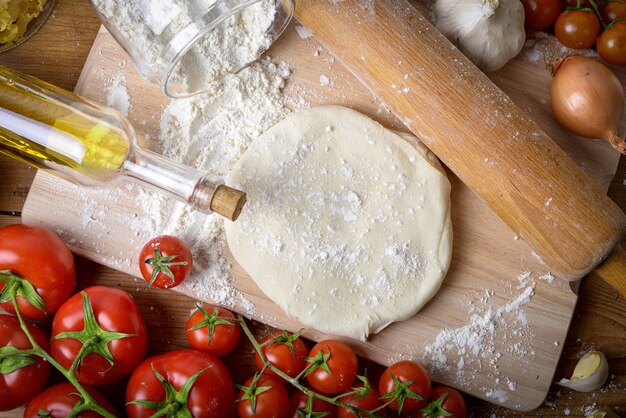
401	392
95	340
162	264
308	411
361	391
285	339
435	408
12	359
15	286
319	361
251	392
211	320
175	403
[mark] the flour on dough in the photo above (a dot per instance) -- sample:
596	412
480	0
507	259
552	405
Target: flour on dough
347	226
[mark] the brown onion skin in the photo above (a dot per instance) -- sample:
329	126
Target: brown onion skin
588	99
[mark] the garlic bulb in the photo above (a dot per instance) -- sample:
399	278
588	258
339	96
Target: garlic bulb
488	32
590	373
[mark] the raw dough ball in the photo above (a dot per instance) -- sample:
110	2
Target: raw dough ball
347	226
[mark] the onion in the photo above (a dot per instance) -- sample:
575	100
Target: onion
588	99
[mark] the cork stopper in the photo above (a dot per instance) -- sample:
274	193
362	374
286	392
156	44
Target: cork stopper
228	202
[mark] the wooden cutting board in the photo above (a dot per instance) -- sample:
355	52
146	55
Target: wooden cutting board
512	344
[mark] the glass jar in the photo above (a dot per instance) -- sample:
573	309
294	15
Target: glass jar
186	45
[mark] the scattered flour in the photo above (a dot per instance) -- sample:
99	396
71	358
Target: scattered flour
117	94
210	131
475	343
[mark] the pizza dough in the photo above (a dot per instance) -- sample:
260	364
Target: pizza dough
347	226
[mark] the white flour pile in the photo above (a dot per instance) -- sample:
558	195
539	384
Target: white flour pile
210	131
146	27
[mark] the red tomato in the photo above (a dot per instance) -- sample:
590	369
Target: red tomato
615	10
299	403
212	395
58	401
540	14
611	44
209	321
269	403
279	354
340	360
405	371
368	402
445	401
116	311
165	261
21	385
38	255
577	29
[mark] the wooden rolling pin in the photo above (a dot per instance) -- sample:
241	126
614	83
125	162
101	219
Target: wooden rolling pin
477	131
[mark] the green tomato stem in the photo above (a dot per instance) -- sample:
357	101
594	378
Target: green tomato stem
597	12
40	352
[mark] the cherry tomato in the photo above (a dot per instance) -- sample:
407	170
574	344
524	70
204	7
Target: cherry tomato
279	354
212	395
38	255
341	362
445	401
210	320
21	385
540	14
165	261
299	403
405	371
115	311
269	403
611	44
577	29
58	401
368	402
615	10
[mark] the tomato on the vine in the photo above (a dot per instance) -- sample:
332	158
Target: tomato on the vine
540	14
611	45
577	29
266	398
614	10
334	366
213	329
446	402
165	261
406	382
38	266
366	398
199	378
108	319
298	406
58	401
21	378
285	351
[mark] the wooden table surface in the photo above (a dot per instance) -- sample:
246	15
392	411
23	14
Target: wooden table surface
57	53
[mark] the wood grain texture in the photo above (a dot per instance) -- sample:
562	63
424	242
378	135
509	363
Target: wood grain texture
474	128
599	320
486	254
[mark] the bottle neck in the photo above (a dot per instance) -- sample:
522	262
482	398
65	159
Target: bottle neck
164	175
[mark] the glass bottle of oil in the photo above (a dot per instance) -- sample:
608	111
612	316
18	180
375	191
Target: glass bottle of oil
87	144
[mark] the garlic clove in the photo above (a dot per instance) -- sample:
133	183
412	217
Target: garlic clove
591	372
603	413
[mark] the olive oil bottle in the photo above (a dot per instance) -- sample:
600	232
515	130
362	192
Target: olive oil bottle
87	144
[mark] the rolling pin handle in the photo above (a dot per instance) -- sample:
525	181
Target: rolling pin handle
613	269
